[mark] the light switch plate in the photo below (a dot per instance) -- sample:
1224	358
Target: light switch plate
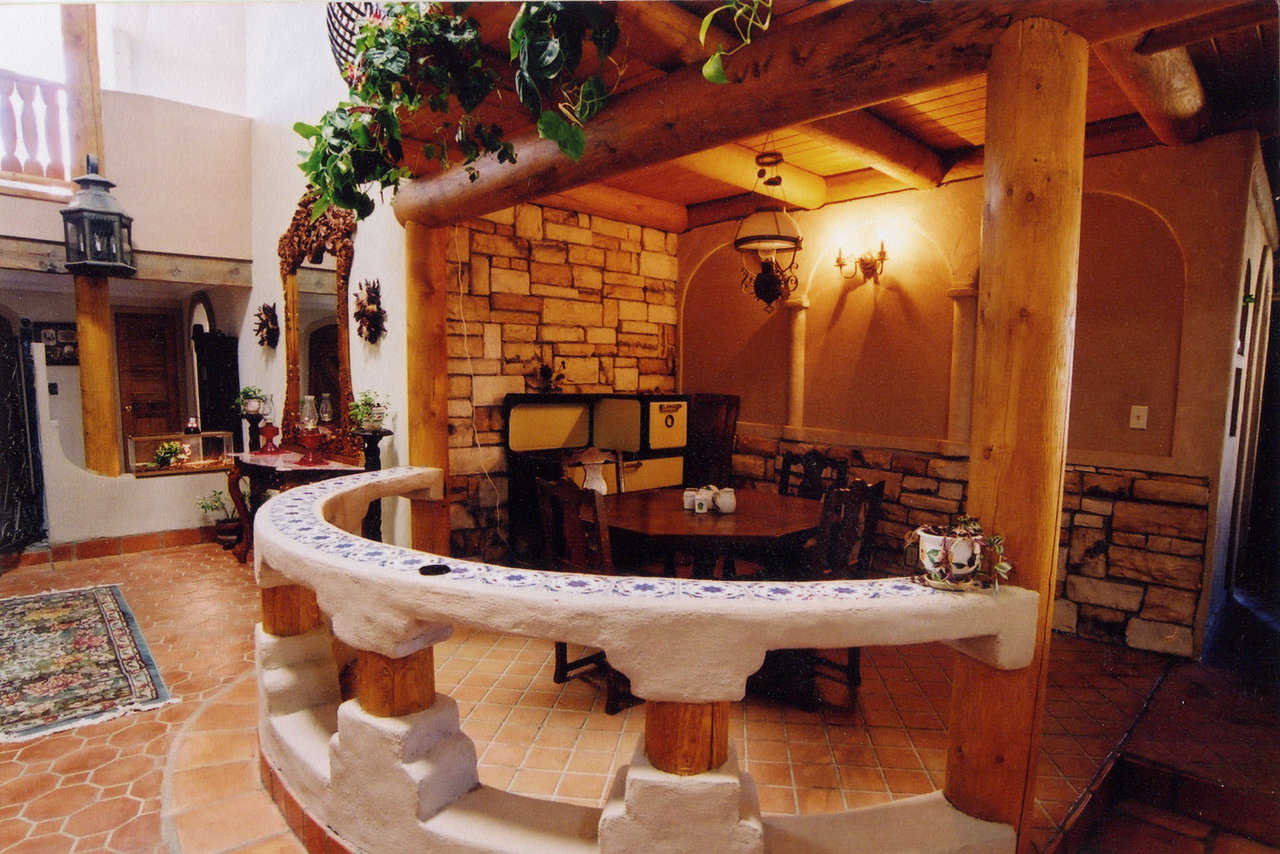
1137	418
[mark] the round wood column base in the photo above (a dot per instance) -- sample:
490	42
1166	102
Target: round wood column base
289	609
393	687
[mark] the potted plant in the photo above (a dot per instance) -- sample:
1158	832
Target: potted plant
368	410
249	400
226	530
168	453
959	555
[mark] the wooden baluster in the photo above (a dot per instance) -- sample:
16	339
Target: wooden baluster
8	128
30	139
57	166
288	610
394	687
686	738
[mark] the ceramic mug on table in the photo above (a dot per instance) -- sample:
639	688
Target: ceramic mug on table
702	500
690	498
725	500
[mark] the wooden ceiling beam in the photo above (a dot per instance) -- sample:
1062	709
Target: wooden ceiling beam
1197	29
623	205
663	34
854	56
1164	87
736	165
865	137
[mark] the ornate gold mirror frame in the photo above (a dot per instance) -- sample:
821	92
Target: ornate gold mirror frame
309	240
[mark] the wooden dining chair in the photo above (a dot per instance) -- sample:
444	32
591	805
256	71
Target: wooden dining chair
815	472
575	536
842	549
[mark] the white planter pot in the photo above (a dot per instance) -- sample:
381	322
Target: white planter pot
251	405
964	555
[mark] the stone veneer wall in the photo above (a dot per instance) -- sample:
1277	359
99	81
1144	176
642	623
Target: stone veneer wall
535	285
1132	542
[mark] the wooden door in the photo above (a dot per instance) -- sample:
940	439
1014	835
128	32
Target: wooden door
147	351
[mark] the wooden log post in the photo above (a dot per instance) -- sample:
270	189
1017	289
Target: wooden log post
427	370
394	687
686	738
1022	380
289	610
95	334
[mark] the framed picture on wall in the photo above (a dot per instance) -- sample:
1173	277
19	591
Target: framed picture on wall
60	344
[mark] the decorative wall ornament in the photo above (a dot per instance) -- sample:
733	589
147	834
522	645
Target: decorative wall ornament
371	317
266	325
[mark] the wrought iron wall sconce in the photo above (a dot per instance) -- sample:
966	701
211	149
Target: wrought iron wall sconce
869	264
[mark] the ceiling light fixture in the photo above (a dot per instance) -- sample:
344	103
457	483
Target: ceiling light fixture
765	234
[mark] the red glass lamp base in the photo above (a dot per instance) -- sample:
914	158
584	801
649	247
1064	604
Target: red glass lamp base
310	440
268	432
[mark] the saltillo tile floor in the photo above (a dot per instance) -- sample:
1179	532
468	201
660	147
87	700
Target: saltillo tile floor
169	779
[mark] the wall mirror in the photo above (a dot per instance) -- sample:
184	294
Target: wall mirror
326	346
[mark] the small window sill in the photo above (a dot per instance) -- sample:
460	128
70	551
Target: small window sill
152	470
35	187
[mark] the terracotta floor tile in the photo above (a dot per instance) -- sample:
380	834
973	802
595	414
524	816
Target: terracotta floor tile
200	749
197	786
582	785
285	843
815	777
819	800
770	773
102	816
535	782
63	801
547	759
855	799
778	799
206	830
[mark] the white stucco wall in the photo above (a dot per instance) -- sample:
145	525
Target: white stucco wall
292	80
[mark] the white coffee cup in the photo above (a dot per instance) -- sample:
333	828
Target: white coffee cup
690	496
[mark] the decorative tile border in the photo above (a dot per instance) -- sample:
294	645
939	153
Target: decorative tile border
296	515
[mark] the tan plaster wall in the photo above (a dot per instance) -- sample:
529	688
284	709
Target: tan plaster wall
197	203
1155	324
1128	328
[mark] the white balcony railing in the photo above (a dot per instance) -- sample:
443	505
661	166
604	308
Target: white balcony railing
34	127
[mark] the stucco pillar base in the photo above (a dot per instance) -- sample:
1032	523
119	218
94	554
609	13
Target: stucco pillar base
298	695
391	774
714	811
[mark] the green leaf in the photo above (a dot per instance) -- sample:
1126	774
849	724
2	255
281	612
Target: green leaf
591	98
706	24
558	129
305	130
713	69
515	35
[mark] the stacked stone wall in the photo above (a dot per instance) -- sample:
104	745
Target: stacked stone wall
591	297
1132	542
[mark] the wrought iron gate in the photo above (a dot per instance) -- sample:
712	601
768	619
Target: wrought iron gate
21	483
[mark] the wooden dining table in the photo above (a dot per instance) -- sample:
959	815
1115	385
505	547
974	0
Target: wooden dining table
764	523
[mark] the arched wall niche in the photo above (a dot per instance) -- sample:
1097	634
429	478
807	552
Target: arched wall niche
1129	315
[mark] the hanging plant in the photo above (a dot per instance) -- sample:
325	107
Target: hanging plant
746	16
266	325
415	56
371	317
546	41
409	57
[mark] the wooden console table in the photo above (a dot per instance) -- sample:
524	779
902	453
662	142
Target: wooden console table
270	471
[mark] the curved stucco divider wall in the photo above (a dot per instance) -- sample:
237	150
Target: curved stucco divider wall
84	505
389	783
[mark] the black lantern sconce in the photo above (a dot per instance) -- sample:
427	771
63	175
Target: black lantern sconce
98	233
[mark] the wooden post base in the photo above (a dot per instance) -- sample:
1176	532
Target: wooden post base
686	738
393	687
289	609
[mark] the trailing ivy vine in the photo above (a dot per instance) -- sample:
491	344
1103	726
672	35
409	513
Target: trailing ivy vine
412	56
746	16
546	44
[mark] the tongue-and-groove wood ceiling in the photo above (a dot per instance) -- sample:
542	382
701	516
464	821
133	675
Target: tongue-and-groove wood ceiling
936	134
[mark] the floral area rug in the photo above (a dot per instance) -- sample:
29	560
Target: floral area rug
71	657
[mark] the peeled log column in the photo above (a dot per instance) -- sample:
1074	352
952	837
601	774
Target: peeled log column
686	738
1022	379
95	337
427	373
